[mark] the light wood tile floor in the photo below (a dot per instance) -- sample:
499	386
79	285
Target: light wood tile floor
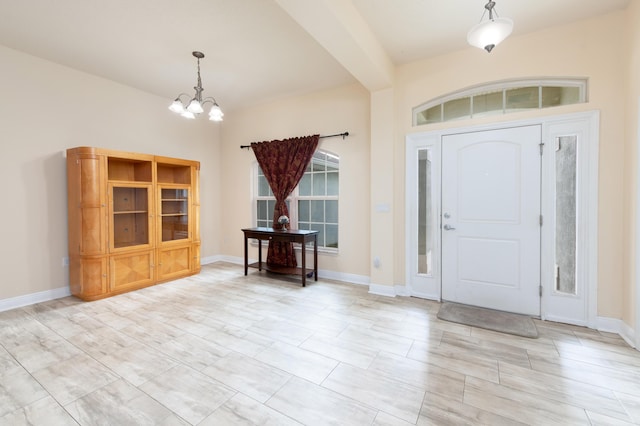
220	348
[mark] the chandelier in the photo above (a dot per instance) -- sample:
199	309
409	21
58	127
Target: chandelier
488	34
195	106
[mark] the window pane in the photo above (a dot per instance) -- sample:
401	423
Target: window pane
457	108
566	161
425	213
263	187
487	103
331	211
319	184
305	184
331	237
320	229
522	98
554	96
263	224
271	204
431	115
304	214
318	165
332	183
333	163
262	210
317	211
304	225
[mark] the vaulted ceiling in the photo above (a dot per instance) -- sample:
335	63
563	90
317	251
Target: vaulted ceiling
258	50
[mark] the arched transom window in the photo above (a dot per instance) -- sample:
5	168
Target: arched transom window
501	98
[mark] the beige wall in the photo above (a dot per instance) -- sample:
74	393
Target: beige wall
47	108
632	138
326	112
595	49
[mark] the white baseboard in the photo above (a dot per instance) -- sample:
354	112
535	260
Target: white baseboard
229	259
346	278
211	259
30	299
402	290
617	326
382	290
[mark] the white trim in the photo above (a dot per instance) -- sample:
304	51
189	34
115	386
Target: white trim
402	290
344	277
582	307
212	259
30	299
421	285
382	290
616	326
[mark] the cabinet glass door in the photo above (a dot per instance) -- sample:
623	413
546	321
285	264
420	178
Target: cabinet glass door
130	216
174	213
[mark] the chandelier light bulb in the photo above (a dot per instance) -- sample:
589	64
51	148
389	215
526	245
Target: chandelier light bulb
188	114
194	106
215	114
177	106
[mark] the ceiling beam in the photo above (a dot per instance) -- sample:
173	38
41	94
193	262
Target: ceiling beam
341	30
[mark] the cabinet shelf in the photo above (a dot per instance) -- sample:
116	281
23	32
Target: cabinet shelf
131	211
175	199
173	214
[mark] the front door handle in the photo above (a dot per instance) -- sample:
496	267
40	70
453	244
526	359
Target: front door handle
448	227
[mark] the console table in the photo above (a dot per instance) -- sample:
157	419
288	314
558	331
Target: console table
290	235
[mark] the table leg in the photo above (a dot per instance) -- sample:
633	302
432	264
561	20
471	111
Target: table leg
259	255
304	264
315	256
246	255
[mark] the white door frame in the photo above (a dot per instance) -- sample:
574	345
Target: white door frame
586	125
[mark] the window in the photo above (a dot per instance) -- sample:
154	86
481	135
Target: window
501	98
313	204
566	214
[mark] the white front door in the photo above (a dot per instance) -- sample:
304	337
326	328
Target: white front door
491	219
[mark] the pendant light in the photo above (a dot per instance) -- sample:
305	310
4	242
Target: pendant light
488	34
195	106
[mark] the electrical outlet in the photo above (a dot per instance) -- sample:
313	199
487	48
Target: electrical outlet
65	261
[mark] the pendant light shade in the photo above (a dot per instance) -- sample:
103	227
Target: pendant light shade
488	34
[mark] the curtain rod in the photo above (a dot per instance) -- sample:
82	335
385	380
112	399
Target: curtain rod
343	134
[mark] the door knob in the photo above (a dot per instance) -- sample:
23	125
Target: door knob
447	215
449	228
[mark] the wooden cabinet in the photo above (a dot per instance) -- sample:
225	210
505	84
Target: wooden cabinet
133	220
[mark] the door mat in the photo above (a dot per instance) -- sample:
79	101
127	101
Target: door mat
504	322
